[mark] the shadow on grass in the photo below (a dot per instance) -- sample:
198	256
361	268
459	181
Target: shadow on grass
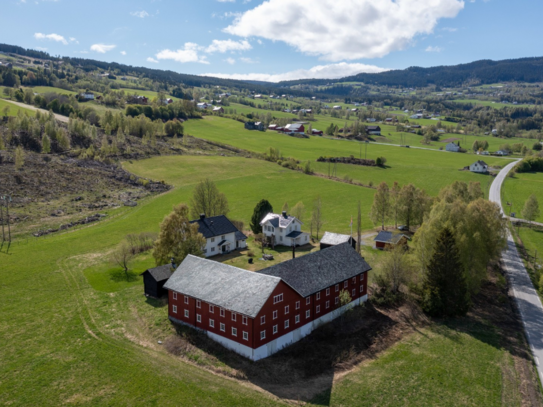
118	275
157	302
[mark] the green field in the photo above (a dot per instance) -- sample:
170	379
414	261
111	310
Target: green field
516	190
496	105
14	109
47	89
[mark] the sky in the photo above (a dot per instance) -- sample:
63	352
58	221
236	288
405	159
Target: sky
277	40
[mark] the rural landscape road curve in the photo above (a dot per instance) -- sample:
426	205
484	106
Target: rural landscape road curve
526	297
30	107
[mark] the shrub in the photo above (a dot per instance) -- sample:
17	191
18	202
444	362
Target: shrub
537	147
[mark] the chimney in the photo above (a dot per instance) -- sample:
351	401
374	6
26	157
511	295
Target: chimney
284	214
202	216
173	263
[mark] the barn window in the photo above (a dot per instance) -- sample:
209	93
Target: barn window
262	319
275	314
337	301
275	329
287	323
174	309
198	318
361	288
318	309
296	319
354	280
263	334
186	313
286	309
327	304
186	299
175	296
327	291
337	288
244	320
277	298
318	296
345	284
212	249
307	313
211	309
297	304
234	332
212	323
354	292
307	300
234	316
222	312
198	304
223	328
245	335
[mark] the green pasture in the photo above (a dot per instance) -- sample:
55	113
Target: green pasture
147	93
14	109
52	89
517	189
496	105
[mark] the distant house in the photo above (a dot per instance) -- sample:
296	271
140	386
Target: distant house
272	127
452	147
416	116
258	96
494	131
254	126
138	100
218	109
294	128
354	110
373	130
333	239
284	230
479	166
221	235
483	153
416	126
155	278
372	120
502	153
337	107
202	105
316	132
388	240
87	96
388	119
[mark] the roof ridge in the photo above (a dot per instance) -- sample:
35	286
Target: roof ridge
227	265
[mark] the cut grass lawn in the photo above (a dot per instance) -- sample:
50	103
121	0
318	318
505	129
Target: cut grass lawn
517	189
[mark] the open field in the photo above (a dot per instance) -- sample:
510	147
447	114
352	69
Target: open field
516	190
14	109
496	105
47	89
147	93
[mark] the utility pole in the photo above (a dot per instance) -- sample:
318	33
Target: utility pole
2	220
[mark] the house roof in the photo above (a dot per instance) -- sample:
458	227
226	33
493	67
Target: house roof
240	236
334	238
294	234
319	270
388	237
160	273
480	162
373	128
294	126
241	291
214	226
278	221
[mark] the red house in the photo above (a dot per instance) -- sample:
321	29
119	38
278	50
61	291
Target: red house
257	314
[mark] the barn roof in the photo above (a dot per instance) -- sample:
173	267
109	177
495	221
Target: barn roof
241	291
319	270
214	226
160	273
334	238
388	237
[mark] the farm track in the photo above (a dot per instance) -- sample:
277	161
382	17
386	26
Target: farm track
59	117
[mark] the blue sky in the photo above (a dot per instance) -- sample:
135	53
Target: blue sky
277	39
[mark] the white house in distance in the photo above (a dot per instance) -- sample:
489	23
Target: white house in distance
202	105
221	235
479	166
87	95
452	147
284	230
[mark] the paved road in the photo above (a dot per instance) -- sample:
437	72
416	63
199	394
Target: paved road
526	297
30	107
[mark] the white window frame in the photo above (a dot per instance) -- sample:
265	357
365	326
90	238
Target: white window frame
318	309
234	331
198	318
287	323
327	304
212	323
212	249
245	336
318	297
262	319
308	301
174	295
345	283
211	309
222	327
278	298
174	309
212	240
263	334
354	279
234	316
362	288
275	329
328	291
222	313
337	288
287	309
307	314
297	304
244	320
337	301
275	313
186	299
297	319
198	304
187	313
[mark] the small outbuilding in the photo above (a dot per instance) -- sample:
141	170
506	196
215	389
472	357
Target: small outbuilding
479	166
452	147
333	239
155	278
389	240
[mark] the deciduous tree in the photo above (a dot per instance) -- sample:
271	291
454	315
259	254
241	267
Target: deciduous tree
380	209
122	256
207	200
298	211
316	215
530	211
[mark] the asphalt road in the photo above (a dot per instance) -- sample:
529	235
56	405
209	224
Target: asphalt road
526	297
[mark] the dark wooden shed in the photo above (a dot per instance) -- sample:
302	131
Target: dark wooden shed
155	278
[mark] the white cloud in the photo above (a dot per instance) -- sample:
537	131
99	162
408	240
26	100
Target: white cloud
450	29
433	49
140	14
231	61
102	48
248	60
52	37
72	39
332	71
223	46
154	61
346	29
189	53
123	52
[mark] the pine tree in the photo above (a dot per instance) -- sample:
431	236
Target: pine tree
45	144
445	291
261	209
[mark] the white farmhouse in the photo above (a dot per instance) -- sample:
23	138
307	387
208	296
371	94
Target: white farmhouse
202	105
452	147
479	166
221	235
284	230
87	95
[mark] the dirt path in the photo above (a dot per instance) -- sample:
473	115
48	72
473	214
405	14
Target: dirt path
59	117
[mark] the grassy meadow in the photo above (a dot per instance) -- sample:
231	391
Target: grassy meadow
517	189
14	109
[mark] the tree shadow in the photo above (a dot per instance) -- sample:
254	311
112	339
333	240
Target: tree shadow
118	275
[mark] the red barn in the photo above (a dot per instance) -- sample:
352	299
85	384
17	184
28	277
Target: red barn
257	314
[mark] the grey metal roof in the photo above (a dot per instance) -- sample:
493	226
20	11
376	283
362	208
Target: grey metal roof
278	221
241	291
160	273
388	237
215	226
294	234
334	238
319	270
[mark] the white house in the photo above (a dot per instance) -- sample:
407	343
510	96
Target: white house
452	147
502	153
483	153
479	166
337	107
416	116
87	95
221	235
202	105
284	230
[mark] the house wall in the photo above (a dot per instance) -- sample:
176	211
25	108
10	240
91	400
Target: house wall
211	248
380	245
